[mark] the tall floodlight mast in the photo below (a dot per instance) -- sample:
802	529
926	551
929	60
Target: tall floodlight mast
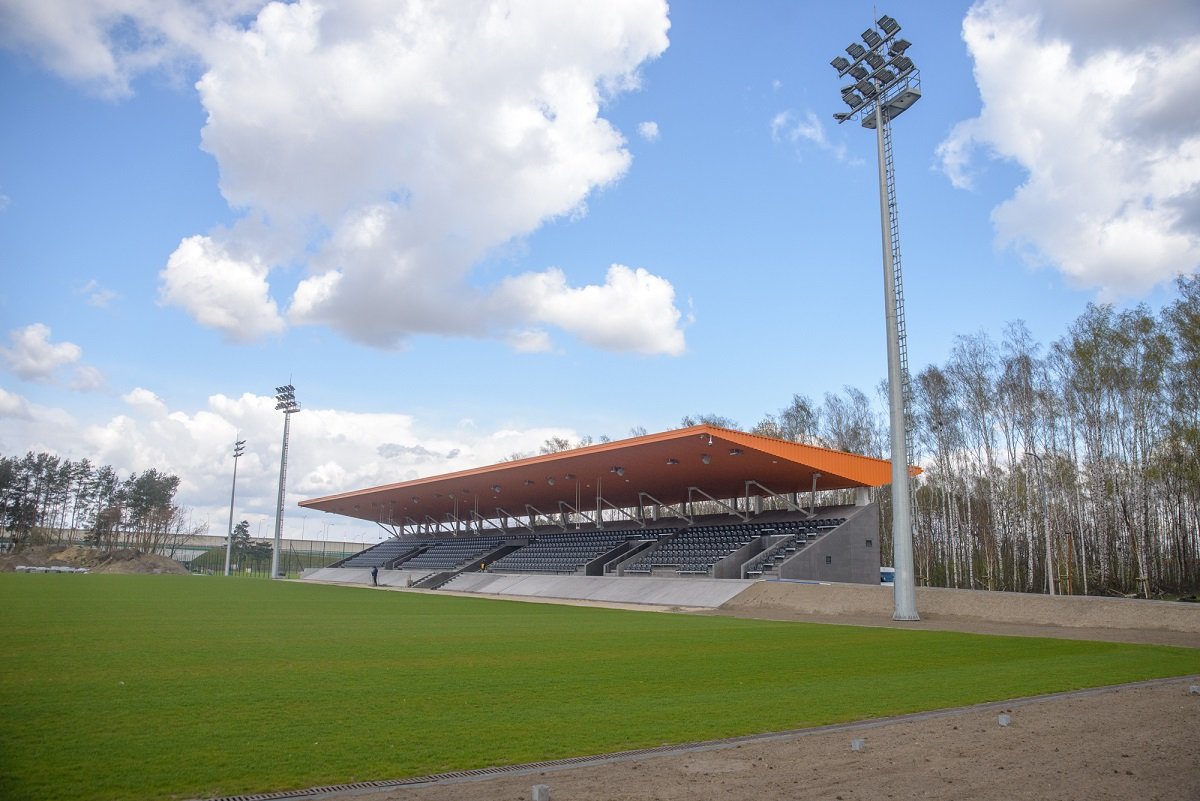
285	401
239	448
887	83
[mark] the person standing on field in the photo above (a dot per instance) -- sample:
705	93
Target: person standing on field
375	576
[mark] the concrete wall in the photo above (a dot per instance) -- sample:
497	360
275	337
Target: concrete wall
1073	611
848	554
687	592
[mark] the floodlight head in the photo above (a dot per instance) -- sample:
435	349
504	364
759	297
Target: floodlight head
899	46
840	64
872	39
885	76
852	100
875	60
706	459
888	25
859	72
866	87
902	63
856	50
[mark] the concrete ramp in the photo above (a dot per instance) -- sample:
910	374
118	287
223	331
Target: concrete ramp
362	575
702	593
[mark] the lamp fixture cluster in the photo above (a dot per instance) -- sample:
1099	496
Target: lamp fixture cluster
285	399
881	73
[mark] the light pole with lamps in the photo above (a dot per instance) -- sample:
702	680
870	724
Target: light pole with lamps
1046	524
285	401
886	84
239	448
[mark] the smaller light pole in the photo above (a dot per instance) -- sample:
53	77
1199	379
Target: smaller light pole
1046	523
285	401
239	448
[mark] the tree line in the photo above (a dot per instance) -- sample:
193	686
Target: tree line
47	499
1077	463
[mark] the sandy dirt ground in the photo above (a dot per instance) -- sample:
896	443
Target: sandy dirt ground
1186	639
1128	743
1134	742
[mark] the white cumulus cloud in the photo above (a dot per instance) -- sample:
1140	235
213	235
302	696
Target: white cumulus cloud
106	43
648	131
219	290
33	357
383	147
13	405
145	400
330	451
632	310
1094	101
392	146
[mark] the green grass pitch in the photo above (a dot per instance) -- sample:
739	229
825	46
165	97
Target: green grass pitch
139	687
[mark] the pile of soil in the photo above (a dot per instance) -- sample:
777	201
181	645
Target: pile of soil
123	560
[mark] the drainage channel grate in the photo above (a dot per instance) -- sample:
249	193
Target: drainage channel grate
706	745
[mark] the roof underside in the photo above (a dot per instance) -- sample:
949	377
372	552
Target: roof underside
657	467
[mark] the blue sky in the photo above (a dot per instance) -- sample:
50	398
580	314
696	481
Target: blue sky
464	227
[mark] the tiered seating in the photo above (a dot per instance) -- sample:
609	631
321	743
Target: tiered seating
451	554
693	550
381	554
567	553
696	549
797	534
768	560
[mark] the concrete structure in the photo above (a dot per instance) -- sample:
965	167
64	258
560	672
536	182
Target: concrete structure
684	592
640	480
850	553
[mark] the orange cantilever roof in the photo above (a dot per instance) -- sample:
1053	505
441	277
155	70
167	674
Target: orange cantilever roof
662	466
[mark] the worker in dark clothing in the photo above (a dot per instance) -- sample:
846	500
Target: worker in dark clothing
375	576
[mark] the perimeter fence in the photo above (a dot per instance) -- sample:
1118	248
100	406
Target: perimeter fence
294	558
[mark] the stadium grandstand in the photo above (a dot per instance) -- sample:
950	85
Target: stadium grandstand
696	502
